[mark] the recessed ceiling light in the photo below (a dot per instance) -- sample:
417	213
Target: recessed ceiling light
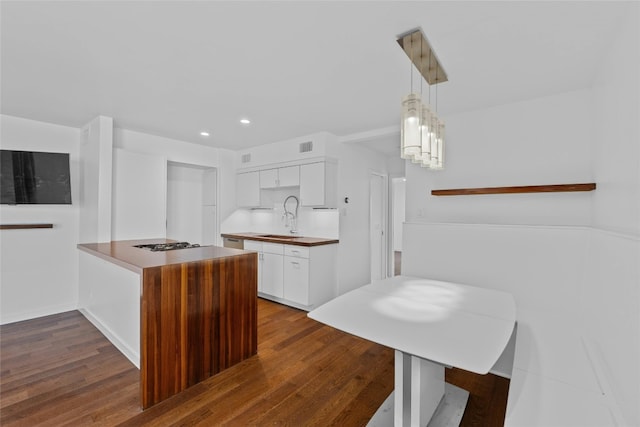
245	121
204	133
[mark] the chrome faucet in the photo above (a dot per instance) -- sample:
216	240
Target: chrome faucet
291	218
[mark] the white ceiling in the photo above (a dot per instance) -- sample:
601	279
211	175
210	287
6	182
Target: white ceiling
174	68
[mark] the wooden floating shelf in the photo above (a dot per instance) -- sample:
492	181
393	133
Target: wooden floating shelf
512	190
23	226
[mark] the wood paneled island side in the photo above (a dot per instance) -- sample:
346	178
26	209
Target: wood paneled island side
197	309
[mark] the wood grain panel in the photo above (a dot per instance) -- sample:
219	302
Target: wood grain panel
23	226
197	319
287	240
517	189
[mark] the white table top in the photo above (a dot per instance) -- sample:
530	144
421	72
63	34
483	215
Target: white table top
455	325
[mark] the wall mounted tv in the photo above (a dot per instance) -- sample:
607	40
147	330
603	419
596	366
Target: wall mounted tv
34	177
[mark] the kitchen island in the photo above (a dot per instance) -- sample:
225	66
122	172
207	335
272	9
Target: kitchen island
181	316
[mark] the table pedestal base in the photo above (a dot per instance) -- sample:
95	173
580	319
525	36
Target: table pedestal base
419	387
421	397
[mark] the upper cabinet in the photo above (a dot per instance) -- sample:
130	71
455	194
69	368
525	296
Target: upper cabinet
315	180
318	185
280	177
248	189
289	176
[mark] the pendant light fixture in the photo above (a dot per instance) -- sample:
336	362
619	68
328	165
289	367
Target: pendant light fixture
422	131
411	144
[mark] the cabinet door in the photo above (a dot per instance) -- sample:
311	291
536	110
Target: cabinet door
251	245
296	280
269	178
248	189
289	176
272	275
312	184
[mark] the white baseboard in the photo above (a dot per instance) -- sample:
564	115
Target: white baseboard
131	354
34	314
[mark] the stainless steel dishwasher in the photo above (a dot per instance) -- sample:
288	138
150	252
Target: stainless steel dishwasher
232	242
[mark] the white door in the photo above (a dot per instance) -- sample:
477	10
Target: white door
377	227
397	198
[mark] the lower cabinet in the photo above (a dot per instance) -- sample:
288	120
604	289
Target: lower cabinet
272	274
299	276
296	280
253	245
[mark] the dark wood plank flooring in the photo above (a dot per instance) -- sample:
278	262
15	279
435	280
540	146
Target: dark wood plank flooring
60	371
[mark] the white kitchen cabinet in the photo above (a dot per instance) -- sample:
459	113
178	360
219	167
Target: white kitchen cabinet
296	279
272	269
310	277
254	245
269	178
300	276
248	189
280	177
318	185
289	176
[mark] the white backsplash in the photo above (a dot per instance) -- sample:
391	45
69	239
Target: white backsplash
311	222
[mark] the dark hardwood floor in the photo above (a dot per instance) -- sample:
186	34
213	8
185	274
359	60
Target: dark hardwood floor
59	370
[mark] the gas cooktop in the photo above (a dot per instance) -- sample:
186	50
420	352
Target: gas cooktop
160	247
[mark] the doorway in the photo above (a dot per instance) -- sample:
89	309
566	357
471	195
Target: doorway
191	203
397	209
377	226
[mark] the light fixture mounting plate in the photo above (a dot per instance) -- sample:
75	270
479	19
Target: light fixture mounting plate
420	52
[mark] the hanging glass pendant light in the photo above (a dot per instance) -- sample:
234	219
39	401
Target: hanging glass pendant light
411	144
422	132
411	120
437	147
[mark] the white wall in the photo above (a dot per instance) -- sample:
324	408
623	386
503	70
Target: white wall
174	150
96	162
281	151
139	203
591	135
541	141
186	153
611	295
39	267
355	165
184	207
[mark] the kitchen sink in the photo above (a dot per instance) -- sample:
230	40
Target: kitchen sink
279	236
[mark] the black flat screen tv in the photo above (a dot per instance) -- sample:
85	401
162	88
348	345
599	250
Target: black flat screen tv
34	177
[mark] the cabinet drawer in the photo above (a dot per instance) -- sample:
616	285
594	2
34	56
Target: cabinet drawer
273	248
296	251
